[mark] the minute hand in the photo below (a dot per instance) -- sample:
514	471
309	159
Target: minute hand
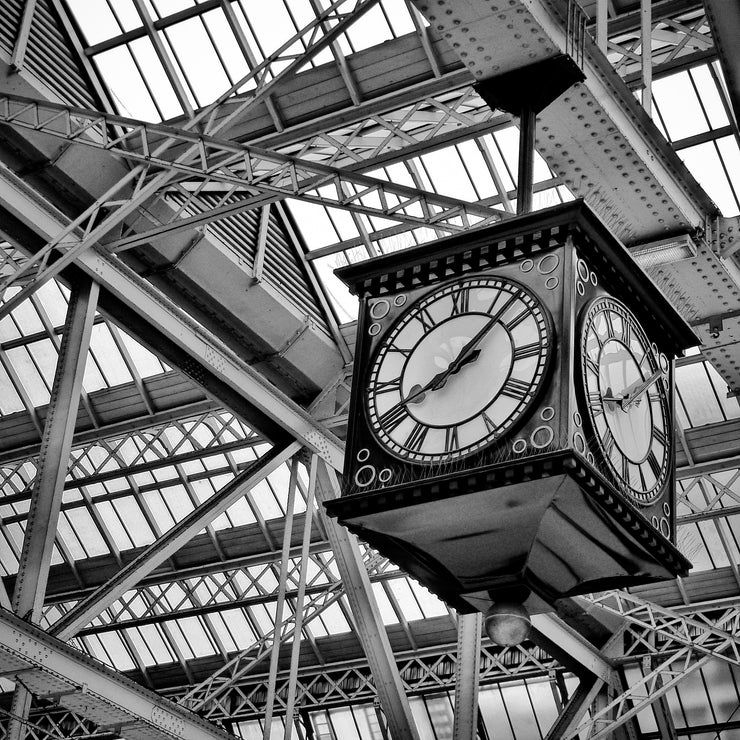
631	398
466	355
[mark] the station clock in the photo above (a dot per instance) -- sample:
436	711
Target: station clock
511	421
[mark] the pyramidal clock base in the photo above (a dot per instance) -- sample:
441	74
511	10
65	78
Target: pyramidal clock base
550	526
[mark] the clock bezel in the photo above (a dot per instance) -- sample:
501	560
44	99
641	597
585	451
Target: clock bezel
547	337
587	317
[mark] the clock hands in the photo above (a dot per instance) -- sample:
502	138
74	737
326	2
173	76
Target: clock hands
633	397
469	353
631	394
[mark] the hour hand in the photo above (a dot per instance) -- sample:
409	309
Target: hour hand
633	396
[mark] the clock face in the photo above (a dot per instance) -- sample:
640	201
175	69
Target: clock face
458	369
625	382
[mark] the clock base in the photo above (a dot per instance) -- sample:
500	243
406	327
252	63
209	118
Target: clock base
513	525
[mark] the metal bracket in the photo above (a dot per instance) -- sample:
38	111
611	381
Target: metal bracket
715	326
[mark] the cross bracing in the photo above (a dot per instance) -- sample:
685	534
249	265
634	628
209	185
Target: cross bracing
376	124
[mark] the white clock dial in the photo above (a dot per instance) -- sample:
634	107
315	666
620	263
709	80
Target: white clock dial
458	369
625	382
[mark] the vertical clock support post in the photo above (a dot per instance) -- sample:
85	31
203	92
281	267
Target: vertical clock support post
525	92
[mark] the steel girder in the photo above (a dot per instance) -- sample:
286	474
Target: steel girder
50	668
596	134
270	174
211	358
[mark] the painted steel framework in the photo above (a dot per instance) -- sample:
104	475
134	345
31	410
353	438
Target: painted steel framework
668	643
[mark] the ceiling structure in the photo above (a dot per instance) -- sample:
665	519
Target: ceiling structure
178	180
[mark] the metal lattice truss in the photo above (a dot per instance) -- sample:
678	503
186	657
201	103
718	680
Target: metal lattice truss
88	228
671	644
674	37
219	591
424	671
250	169
171	442
200	697
710	494
192	175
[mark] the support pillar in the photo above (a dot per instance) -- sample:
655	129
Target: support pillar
466	675
370	629
46	497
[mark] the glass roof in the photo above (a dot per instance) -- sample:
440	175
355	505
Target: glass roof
124	490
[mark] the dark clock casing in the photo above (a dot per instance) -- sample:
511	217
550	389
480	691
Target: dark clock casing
537	511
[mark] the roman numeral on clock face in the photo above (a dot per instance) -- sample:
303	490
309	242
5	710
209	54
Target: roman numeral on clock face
654	464
415	440
660	436
594	401
393	417
426	319
607	440
388	386
461	301
527	350
451	440
515	388
516	320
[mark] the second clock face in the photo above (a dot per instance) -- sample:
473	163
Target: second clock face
625	381
458	369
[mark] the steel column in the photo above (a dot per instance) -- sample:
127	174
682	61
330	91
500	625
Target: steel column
46	498
368	623
56	445
282	586
646	27
467	672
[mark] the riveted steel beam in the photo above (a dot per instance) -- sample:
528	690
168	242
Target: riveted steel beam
210	358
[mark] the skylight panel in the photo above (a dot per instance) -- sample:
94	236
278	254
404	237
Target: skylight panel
163	8
125	13
178	501
369	30
227	46
86	531
241	630
26	316
447	174
54	302
24	368
108	356
128	89
676	98
114	646
711	101
729	152
163	519
333	620
8	557
222	632
96	20
197	636
430	604
263	496
10	401
706	165
203	71
263	616
697	395
387	612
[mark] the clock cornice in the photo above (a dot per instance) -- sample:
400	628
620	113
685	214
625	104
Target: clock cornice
517	238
